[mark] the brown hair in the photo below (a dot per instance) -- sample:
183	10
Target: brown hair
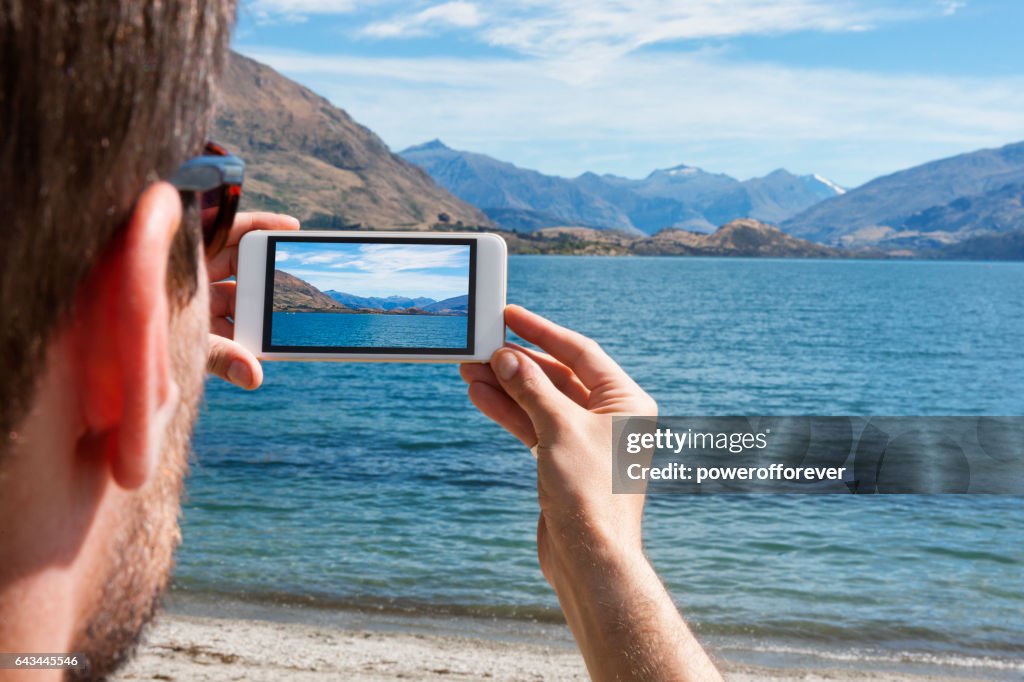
97	100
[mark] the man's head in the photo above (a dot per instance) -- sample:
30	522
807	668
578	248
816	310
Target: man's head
103	308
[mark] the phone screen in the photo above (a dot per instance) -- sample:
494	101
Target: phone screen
369	295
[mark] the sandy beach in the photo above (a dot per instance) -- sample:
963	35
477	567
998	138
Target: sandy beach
272	643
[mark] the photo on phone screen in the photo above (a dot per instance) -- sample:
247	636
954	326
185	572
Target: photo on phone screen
366	295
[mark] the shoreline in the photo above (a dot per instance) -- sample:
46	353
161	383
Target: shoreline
368	312
205	636
762	240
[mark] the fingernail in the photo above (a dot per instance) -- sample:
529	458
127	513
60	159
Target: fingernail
506	364
239	374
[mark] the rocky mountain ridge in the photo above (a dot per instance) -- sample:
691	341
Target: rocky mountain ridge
456	305
928	206
682	196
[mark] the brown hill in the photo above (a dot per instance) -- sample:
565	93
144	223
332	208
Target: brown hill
294	295
308	158
582	241
744	237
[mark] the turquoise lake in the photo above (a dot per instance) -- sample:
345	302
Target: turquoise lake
381	485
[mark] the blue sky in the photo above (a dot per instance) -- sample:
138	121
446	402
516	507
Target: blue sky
850	89
414	270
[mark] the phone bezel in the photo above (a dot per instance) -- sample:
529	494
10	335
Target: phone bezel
488	257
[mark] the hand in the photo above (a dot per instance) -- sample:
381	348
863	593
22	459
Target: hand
588	539
228	359
563	404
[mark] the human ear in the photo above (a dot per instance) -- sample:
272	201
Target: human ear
120	333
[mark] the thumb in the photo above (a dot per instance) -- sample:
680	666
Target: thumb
233	363
527	384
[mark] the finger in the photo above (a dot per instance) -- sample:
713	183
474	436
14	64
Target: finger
259	220
478	371
494	403
221	326
560	375
564	379
224	263
483	386
580	354
527	384
222	299
233	363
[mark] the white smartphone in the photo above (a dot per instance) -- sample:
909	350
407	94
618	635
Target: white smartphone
371	296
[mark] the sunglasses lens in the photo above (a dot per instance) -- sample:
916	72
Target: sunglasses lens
212	215
219	207
210	206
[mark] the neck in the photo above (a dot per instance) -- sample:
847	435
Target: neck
52	499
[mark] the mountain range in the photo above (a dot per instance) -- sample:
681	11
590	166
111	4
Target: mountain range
922	211
931	205
295	295
387	303
456	305
681	197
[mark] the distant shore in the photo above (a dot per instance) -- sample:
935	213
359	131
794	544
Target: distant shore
738	239
204	637
352	311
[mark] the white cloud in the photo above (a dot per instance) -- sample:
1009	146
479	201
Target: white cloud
600	30
445	15
295	11
583	36
654	110
379	258
392	258
951	7
301	7
335	260
587	34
